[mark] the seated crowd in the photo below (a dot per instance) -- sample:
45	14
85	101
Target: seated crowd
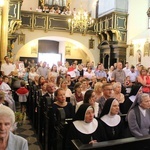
56	10
95	98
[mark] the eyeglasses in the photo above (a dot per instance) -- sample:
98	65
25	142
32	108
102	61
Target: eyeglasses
108	89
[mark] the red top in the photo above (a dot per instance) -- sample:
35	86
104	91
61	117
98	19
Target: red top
22	90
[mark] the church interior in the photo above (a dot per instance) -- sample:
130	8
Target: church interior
114	34
87	31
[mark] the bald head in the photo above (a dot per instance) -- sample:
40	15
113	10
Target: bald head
119	65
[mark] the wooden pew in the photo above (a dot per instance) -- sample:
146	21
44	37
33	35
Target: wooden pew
29	102
61	126
131	143
34	105
40	116
49	136
56	127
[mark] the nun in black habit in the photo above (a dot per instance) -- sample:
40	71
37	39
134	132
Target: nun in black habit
111	124
84	127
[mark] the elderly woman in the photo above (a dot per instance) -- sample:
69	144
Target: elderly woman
84	127
117	92
112	126
139	116
7	139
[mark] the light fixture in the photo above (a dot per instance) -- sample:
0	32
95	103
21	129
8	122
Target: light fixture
80	21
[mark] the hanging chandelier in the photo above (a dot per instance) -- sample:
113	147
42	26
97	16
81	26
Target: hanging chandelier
80	21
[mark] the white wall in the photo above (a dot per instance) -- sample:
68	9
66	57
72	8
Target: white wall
29	4
138	32
137	19
62	50
105	6
108	6
78	3
92	7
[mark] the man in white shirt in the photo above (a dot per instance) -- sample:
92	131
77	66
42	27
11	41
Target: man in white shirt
132	74
4	87
126	69
61	69
43	71
7	68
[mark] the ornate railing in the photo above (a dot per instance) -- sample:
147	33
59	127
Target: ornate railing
47	22
112	26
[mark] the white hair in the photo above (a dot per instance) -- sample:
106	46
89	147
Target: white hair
116	84
143	96
6	111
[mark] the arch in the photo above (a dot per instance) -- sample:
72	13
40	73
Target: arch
57	36
106	60
104	43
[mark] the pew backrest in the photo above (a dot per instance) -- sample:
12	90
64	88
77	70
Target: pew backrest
120	144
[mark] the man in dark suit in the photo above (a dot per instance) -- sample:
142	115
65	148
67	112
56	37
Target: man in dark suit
50	92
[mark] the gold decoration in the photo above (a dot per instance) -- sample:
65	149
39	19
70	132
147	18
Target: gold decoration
91	43
21	39
131	52
68	50
147	49
81	21
14	25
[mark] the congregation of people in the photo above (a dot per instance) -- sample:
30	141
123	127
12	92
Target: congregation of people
57	10
97	99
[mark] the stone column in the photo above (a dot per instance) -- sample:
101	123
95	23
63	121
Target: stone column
4	29
0	32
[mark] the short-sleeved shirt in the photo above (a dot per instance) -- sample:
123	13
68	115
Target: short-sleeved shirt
7	68
119	76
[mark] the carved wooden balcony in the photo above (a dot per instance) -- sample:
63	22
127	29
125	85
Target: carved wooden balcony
112	27
44	21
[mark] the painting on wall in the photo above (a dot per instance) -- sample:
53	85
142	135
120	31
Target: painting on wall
146	49
139	56
68	50
21	39
131	52
91	43
34	50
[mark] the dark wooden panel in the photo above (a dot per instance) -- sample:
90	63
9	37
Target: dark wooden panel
59	24
121	22
40	22
13	10
26	20
46	46
29	59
